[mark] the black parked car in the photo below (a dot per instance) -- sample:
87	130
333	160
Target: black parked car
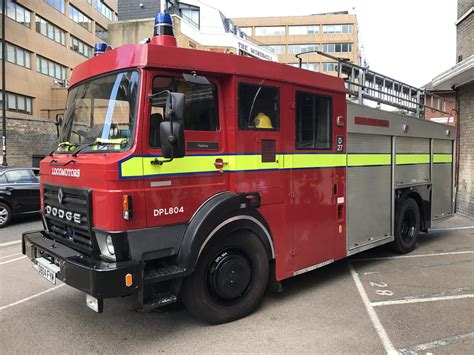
19	193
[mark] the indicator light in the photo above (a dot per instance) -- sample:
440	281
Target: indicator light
127	207
128	280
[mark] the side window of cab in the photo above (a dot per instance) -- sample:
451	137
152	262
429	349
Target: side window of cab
259	107
201	108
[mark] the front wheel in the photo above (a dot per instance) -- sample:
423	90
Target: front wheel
407	226
5	215
229	280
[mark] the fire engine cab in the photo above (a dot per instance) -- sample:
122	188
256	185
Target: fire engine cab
208	177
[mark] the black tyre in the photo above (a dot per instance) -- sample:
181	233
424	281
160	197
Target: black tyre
229	280
5	215
407	227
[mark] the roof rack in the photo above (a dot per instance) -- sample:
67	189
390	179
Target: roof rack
364	84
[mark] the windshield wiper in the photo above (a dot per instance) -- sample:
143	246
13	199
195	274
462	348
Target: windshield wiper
99	143
63	144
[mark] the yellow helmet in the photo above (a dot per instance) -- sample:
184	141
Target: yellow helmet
263	121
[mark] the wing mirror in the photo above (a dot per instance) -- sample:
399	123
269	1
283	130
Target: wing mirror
172	128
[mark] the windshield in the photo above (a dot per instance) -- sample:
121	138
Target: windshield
101	114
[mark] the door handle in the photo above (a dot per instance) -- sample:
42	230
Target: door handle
219	163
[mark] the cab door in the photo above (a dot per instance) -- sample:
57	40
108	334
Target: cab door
317	175
176	189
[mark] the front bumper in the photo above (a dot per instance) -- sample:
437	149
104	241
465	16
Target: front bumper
95	277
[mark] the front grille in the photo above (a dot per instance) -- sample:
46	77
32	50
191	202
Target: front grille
68	216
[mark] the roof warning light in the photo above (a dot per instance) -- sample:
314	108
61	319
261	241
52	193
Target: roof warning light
163	33
101	48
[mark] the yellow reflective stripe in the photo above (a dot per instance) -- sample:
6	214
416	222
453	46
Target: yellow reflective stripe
442	158
132	167
141	166
186	165
301	161
251	162
369	159
412	159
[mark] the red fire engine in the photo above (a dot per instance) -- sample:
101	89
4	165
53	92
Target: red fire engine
208	177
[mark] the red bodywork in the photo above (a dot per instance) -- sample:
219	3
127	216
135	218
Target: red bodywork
300	206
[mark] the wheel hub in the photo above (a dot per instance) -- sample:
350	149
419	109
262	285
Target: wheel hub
229	275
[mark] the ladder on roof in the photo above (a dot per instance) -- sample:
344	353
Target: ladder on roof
364	84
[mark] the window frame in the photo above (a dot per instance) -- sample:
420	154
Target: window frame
269	34
41	21
28	100
75	12
272	85
330	126
15	50
219	113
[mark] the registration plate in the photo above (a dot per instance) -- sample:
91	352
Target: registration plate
46	269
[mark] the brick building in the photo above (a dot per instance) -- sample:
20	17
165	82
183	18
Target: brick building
460	78
45	40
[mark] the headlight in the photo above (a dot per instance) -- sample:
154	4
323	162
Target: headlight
110	244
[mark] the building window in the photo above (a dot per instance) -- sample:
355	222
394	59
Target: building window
191	14
270	31
79	18
105	10
51	31
313	121
247	31
337	28
81	47
329	67
17	55
50	68
18	13
337	47
101	33
17	103
307	66
277	49
300	48
57	4
303	30
259	107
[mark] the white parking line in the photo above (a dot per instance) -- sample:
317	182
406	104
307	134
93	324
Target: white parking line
386	342
13	242
10	261
9	256
415	255
450	229
420	300
31	297
436	343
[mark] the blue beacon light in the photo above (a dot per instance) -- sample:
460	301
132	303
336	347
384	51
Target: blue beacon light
101	48
163	33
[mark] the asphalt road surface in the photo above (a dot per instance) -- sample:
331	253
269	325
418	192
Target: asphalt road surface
19	225
376	302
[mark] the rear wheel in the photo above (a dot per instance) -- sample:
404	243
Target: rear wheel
229	279
5	215
407	227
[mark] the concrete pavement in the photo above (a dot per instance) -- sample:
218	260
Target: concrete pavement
419	302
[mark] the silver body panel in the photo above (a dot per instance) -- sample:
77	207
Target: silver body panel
370	190
442	179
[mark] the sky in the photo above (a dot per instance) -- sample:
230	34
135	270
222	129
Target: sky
408	40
